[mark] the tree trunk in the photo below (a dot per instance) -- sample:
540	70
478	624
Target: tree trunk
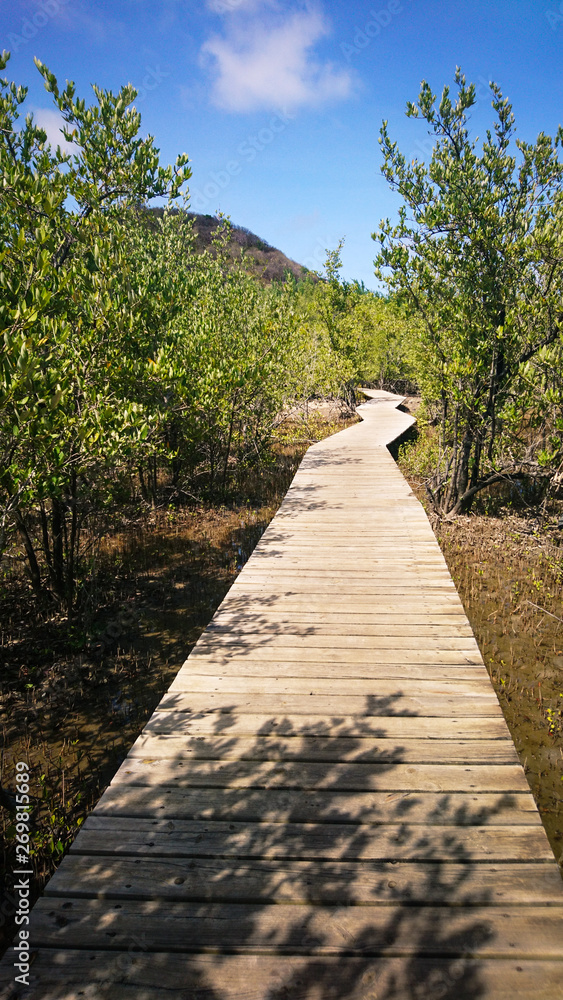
32	564
72	548
58	555
228	448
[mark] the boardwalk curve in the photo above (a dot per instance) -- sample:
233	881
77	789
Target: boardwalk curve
326	804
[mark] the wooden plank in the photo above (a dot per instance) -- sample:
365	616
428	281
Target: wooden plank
383	505
140	974
379	514
473	685
337	672
322	578
314	533
333	581
190	681
280	805
317	506
300	882
175	706
341	749
387	509
390	572
377	487
326	665
379	611
267	649
212	639
296	539
282	601
386	549
373	591
396	727
303	625
303	653
381	599
380	510
338	777
357	565
177	837
378	518
348	622
317	532
306	930
379	579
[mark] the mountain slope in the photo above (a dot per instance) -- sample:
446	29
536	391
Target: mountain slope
266	261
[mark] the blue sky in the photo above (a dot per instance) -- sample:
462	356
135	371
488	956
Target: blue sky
279	102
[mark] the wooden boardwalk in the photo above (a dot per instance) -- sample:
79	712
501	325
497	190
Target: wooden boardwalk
327	804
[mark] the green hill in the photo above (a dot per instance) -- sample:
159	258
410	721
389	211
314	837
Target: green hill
266	262
269	264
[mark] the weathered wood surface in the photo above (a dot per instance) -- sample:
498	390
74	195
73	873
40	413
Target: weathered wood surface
326	804
135	973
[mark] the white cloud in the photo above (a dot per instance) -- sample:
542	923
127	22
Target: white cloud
52	122
260	66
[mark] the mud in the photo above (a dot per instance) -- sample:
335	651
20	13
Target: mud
509	574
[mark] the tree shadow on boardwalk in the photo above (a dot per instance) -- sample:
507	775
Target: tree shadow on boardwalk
295	877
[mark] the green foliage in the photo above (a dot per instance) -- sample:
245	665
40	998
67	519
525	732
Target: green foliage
478	252
222	362
66	315
361	337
